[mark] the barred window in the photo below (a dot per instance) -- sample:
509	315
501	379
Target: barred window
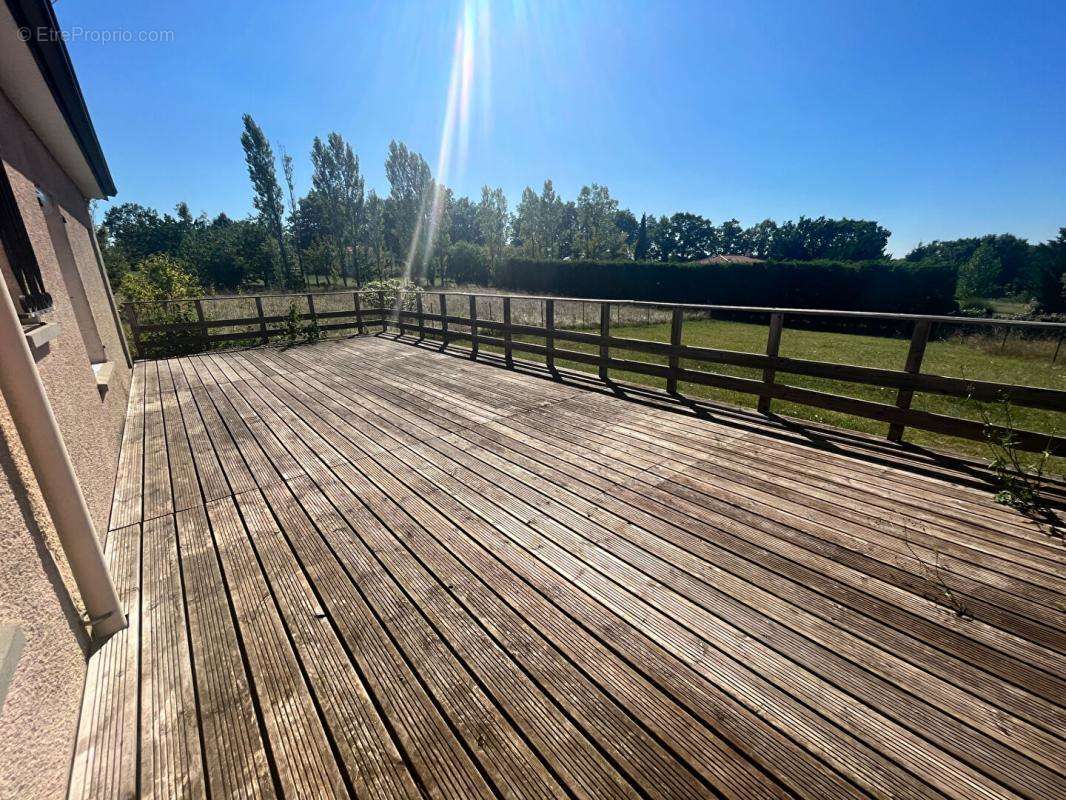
33	297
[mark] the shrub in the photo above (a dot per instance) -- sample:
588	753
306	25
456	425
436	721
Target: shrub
391	290
468	263
979	276
892	286
1047	274
156	279
159	277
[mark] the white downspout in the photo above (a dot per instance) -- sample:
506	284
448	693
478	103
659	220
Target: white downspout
36	424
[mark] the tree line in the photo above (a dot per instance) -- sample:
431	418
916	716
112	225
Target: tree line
342	233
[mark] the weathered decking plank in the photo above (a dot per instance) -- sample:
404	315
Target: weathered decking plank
185	484
398	469
171	756
299	748
158	492
127	502
376	569
368	753
617	460
443	765
235	755
589	556
105	751
623	452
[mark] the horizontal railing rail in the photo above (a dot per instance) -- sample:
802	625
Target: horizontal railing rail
905	381
406	312
368	308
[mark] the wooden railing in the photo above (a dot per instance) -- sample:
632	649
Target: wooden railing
409	316
368	309
482	332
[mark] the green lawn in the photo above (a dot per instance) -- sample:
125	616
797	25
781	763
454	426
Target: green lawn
1025	362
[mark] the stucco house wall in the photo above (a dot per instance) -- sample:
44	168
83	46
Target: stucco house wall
39	716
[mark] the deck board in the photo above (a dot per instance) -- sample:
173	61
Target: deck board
363	567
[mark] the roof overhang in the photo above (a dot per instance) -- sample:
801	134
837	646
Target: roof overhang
38	78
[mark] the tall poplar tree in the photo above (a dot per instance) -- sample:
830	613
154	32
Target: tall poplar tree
643	243
268	199
338	186
286	168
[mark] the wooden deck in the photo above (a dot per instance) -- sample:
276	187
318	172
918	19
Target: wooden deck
368	568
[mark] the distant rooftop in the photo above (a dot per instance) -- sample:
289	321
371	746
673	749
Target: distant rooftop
730	258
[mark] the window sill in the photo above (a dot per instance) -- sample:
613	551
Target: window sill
41	334
103	371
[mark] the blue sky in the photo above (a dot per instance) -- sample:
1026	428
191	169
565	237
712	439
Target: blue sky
938	119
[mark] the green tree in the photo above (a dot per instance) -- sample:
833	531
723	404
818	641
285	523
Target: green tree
567	239
373	232
465	227
160	277
468	263
527	229
267	199
1015	256
979	276
286	168
690	237
760	238
492	219
321	259
441	236
338	185
837	239
409	205
155	279
662	241
627	223
1046	274
642	245
134	232
598	237
550	221
730	238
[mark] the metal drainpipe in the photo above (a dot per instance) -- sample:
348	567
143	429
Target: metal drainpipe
36	424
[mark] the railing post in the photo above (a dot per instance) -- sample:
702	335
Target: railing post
919	339
605	334
473	326
399	313
444	319
358	313
677	319
549	334
135	328
508	355
264	338
421	317
384	313
203	326
311	309
773	344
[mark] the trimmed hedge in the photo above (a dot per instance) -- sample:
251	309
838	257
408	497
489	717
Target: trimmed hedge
896	286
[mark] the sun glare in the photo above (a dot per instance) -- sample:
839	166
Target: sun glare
470	61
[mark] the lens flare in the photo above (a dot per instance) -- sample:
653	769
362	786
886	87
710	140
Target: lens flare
470	57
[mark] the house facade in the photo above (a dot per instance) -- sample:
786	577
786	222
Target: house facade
51	167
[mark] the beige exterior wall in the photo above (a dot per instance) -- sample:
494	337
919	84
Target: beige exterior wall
39	716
